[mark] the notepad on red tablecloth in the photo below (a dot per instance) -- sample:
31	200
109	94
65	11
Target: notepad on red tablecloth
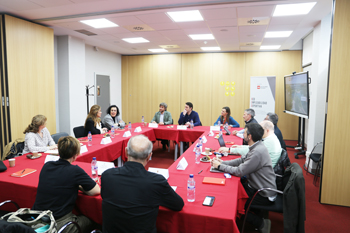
212	180
23	172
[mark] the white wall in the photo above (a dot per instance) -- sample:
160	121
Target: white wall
105	63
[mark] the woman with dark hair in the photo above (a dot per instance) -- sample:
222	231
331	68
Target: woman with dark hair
38	137
93	122
113	118
226	118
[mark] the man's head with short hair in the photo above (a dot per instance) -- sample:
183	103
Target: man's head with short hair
268	128
248	114
272	117
189	104
164	105
139	148
68	147
255	130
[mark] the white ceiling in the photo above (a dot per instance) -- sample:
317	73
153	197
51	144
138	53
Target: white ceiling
225	19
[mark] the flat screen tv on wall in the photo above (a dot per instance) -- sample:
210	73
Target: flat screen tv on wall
296	94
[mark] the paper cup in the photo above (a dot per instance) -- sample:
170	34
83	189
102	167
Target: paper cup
207	151
12	162
35	154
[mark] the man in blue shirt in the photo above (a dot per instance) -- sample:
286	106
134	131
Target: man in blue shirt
187	115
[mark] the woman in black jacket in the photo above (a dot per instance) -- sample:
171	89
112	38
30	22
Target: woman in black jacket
93	122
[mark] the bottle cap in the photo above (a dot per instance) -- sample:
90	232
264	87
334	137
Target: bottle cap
191	175
89	131
93	158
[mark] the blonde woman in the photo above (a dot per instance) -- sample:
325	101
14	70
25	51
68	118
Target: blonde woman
38	137
93	122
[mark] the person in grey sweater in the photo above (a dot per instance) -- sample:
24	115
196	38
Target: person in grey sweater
257	167
113	117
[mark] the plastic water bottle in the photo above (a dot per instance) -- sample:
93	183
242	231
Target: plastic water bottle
219	123
112	131
94	169
89	139
192	124
226	125
191	189
130	126
200	144
143	120
220	134
198	154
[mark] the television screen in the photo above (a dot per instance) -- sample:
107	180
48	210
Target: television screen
296	94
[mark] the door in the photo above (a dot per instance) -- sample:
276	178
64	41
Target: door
102	92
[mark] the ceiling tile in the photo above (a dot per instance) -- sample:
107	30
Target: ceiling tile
20	5
273	41
246	37
221	13
225	32
197	31
155	18
73	25
127	20
252	29
286	20
257	11
51	3
164	26
280	27
222	22
188	25
114	30
83	1
209	43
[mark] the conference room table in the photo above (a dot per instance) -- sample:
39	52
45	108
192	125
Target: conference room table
228	205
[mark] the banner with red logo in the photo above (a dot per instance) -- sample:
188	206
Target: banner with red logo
262	95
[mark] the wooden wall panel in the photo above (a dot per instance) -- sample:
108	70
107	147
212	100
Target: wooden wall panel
125	99
228	67
30	60
335	185
166	81
139	88
276	64
196	83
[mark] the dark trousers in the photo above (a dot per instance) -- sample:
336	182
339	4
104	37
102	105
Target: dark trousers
252	218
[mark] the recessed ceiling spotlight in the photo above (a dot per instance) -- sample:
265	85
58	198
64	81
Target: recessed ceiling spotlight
210	48
202	37
293	9
99	23
158	50
135	40
278	34
270	47
185	16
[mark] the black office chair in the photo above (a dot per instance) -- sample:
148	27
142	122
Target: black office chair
79	131
57	136
280	167
68	224
296	174
315	156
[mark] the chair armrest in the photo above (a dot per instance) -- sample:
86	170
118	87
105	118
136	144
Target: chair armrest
69	223
9	201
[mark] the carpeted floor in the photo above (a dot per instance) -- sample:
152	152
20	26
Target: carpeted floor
319	217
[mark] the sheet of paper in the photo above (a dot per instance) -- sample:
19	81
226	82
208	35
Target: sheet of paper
103	166
182	127
51	158
214	128
153	125
204	139
138	129
53	152
182	164
83	149
106	140
160	171
126	134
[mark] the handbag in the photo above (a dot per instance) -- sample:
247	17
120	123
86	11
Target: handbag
40	221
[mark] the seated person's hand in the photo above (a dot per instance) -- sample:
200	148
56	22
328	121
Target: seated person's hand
53	147
188	124
154	122
234	132
161	123
215	162
184	112
223	149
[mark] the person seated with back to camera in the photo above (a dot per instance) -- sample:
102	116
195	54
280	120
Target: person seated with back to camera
163	117
37	136
269	139
93	122
113	118
59	183
257	167
226	118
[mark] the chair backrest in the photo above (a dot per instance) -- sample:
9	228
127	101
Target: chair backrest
318	148
57	136
79	131
280	167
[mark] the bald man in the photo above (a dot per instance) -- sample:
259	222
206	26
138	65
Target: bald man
270	141
131	196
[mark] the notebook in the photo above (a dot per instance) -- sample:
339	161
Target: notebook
212	180
23	172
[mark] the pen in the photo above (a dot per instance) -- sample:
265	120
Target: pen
23	171
200	171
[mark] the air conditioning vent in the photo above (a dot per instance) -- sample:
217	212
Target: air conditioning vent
138	28
86	32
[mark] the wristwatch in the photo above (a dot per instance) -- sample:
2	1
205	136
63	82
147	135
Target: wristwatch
219	167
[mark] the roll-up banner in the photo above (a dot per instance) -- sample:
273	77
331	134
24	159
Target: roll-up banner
262	95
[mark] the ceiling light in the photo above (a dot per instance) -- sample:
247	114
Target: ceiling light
202	37
99	23
185	16
158	50
270	47
293	9
135	40
278	34
210	48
